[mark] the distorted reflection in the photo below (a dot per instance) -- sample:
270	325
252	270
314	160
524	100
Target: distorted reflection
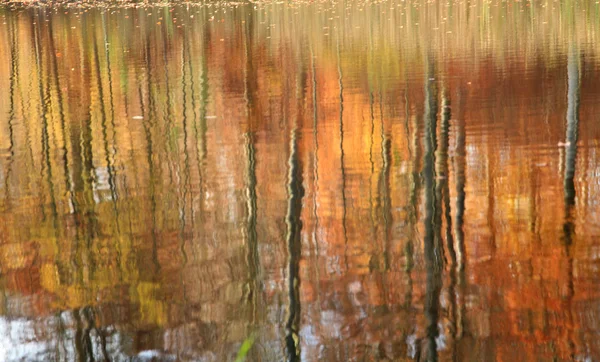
320	181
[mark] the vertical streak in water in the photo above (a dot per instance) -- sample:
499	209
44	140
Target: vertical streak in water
25	110
87	161
13	78
459	172
83	342
77	175
491	196
572	134
169	141
315	135
342	167
203	104
149	148
251	221
431	244
294	228
44	100
186	170
61	115
386	150
199	134
250	87
109	166
443	174
110	158
444	183
372	206
413	150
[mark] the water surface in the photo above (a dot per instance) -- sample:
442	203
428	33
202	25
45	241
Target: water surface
337	181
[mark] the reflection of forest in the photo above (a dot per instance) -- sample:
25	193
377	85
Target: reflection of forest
337	195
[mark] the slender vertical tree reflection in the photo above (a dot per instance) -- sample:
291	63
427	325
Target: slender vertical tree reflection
199	116
171	146
572	134
90	225
148	114
431	242
372	205
386	155
443	184
294	243
186	169
443	174
250	87
109	152
61	115
83	342
414	153
13	78
295	191
46	168
315	204
459	165
342	167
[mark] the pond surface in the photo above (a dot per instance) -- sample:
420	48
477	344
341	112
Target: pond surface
348	181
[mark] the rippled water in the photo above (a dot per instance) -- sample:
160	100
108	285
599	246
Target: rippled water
315	181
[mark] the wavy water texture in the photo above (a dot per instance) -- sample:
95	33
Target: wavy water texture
300	181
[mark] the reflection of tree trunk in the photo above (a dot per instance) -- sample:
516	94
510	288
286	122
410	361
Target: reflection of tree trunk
186	168
315	213
569	183
61	114
413	145
44	99
342	168
109	154
13	78
491	195
375	262
147	116
431	242
83	343
88	172
199	130
103	126
171	145
204	92
294	228
459	174
251	221
443	176
386	150
250	89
